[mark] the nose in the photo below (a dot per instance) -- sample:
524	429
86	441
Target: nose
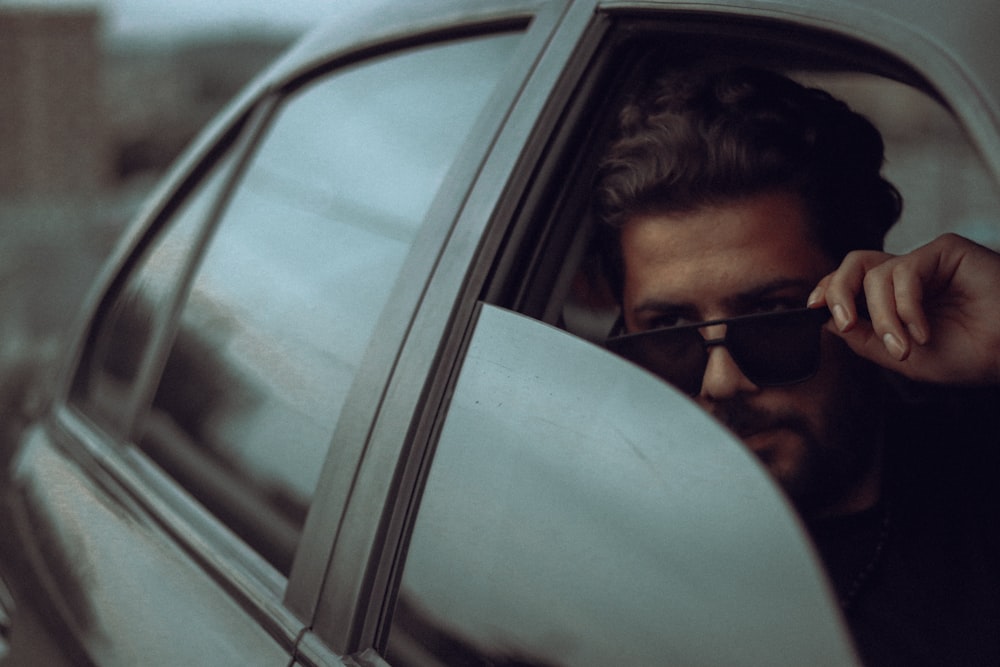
723	379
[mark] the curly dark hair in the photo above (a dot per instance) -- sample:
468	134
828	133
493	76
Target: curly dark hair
695	139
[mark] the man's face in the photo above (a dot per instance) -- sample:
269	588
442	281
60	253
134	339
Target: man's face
817	438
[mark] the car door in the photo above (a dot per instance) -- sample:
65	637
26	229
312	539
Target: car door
160	515
513	478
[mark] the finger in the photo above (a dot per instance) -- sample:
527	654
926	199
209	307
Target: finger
866	343
880	296
846	284
817	297
908	285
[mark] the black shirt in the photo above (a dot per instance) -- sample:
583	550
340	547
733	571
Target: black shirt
918	575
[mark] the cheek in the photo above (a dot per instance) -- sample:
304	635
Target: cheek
823	399
840	369
844	385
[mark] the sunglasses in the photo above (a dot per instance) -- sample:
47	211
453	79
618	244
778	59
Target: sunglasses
771	349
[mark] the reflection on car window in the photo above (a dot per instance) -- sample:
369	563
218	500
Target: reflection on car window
107	382
301	263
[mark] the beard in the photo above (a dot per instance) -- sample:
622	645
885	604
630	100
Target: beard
836	454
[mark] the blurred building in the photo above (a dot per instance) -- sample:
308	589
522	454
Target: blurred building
88	121
52	131
160	94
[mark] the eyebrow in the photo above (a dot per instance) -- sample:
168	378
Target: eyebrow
736	302
754	295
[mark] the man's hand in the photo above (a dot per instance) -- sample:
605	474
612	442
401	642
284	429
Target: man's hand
934	313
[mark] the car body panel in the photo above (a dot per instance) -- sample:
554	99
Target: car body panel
106	570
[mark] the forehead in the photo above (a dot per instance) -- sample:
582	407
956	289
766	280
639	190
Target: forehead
720	250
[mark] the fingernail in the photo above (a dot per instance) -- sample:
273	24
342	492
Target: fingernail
814	297
840	315
917	333
893	345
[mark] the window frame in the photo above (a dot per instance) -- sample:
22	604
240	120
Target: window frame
313	578
356	593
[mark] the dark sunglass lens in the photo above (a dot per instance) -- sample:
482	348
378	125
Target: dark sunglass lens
676	355
776	350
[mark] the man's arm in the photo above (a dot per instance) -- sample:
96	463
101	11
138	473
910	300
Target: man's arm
934	312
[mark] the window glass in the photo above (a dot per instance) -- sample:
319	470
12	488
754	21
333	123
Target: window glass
106	385
579	512
286	298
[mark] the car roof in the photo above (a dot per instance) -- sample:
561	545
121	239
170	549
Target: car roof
353	25
962	30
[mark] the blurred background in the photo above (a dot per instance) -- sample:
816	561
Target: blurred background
99	97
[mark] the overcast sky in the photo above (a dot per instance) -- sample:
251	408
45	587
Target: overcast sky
133	18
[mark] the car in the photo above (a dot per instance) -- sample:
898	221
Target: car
339	395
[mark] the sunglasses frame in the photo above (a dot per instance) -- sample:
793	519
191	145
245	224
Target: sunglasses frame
817	316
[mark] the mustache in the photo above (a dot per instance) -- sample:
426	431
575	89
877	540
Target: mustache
745	420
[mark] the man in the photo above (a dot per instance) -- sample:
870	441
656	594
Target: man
754	209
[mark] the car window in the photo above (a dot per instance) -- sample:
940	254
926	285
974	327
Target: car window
106	384
578	512
276	318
